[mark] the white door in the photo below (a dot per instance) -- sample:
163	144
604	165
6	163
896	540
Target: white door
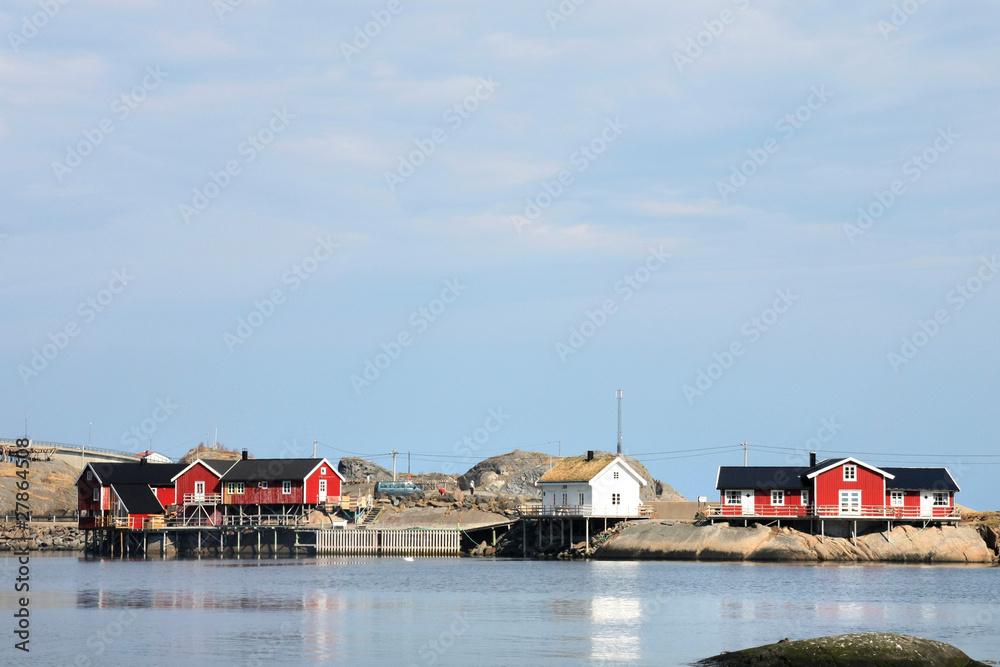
850	502
746	498
199	491
926	503
322	491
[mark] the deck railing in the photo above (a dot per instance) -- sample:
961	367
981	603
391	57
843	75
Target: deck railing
202	498
825	511
538	509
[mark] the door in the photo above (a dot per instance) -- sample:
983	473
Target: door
322	491
926	503
199	492
746	499
850	502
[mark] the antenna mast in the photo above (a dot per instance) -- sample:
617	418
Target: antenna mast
618	395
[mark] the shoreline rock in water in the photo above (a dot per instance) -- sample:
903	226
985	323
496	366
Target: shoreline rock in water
659	540
42	536
869	649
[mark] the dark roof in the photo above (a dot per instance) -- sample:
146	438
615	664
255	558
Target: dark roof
270	470
220	465
156	474
138	498
763	477
938	479
790	477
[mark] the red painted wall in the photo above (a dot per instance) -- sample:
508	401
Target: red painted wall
85	494
165	494
272	495
199	473
831	483
312	484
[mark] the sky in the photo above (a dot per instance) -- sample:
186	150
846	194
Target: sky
454	229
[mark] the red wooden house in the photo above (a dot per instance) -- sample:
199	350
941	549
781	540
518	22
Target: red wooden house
837	488
198	489
124	493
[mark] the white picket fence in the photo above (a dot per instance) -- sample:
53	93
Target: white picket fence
382	542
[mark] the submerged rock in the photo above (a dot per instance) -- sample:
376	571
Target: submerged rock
869	649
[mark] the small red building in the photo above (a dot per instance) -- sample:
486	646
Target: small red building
198	489
109	493
837	488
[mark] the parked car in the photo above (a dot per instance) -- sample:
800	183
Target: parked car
399	489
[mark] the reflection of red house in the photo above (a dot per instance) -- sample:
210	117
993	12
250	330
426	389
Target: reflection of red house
837	488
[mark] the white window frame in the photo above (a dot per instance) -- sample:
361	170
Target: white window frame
805	496
90	475
286	488
897	498
616	474
565	501
97	494
942	496
236	488
853	470
734	497
777	497
616	499
582	496
322	470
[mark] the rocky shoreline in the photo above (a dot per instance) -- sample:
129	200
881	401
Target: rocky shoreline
41	537
668	540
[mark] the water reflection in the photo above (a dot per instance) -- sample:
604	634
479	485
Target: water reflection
98	598
615	626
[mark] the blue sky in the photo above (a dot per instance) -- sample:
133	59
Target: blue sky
234	213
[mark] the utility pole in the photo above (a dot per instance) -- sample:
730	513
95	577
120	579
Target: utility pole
746	448
394	452
314	449
560	449
25	424
618	395
407	465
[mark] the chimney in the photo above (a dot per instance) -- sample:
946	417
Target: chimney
245	455
590	454
812	459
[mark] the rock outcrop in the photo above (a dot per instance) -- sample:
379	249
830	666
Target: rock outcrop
869	649
905	544
52	487
363	470
41	536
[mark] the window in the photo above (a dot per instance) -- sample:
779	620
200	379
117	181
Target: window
235	488
896	498
850	473
777	497
97	495
733	498
263	484
616	474
565	501
286	488
322	470
940	499
581	499
616	499
90	475
805	497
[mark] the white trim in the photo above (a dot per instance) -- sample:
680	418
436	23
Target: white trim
804	497
892	499
853	469
212	470
774	491
850	459
322	461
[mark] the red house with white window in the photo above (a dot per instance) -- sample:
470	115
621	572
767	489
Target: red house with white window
837	488
124	494
198	489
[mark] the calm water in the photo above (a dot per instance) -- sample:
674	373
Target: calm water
477	612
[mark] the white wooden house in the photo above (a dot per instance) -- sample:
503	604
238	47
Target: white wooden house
591	486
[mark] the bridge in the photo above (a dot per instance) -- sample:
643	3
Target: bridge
75	455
